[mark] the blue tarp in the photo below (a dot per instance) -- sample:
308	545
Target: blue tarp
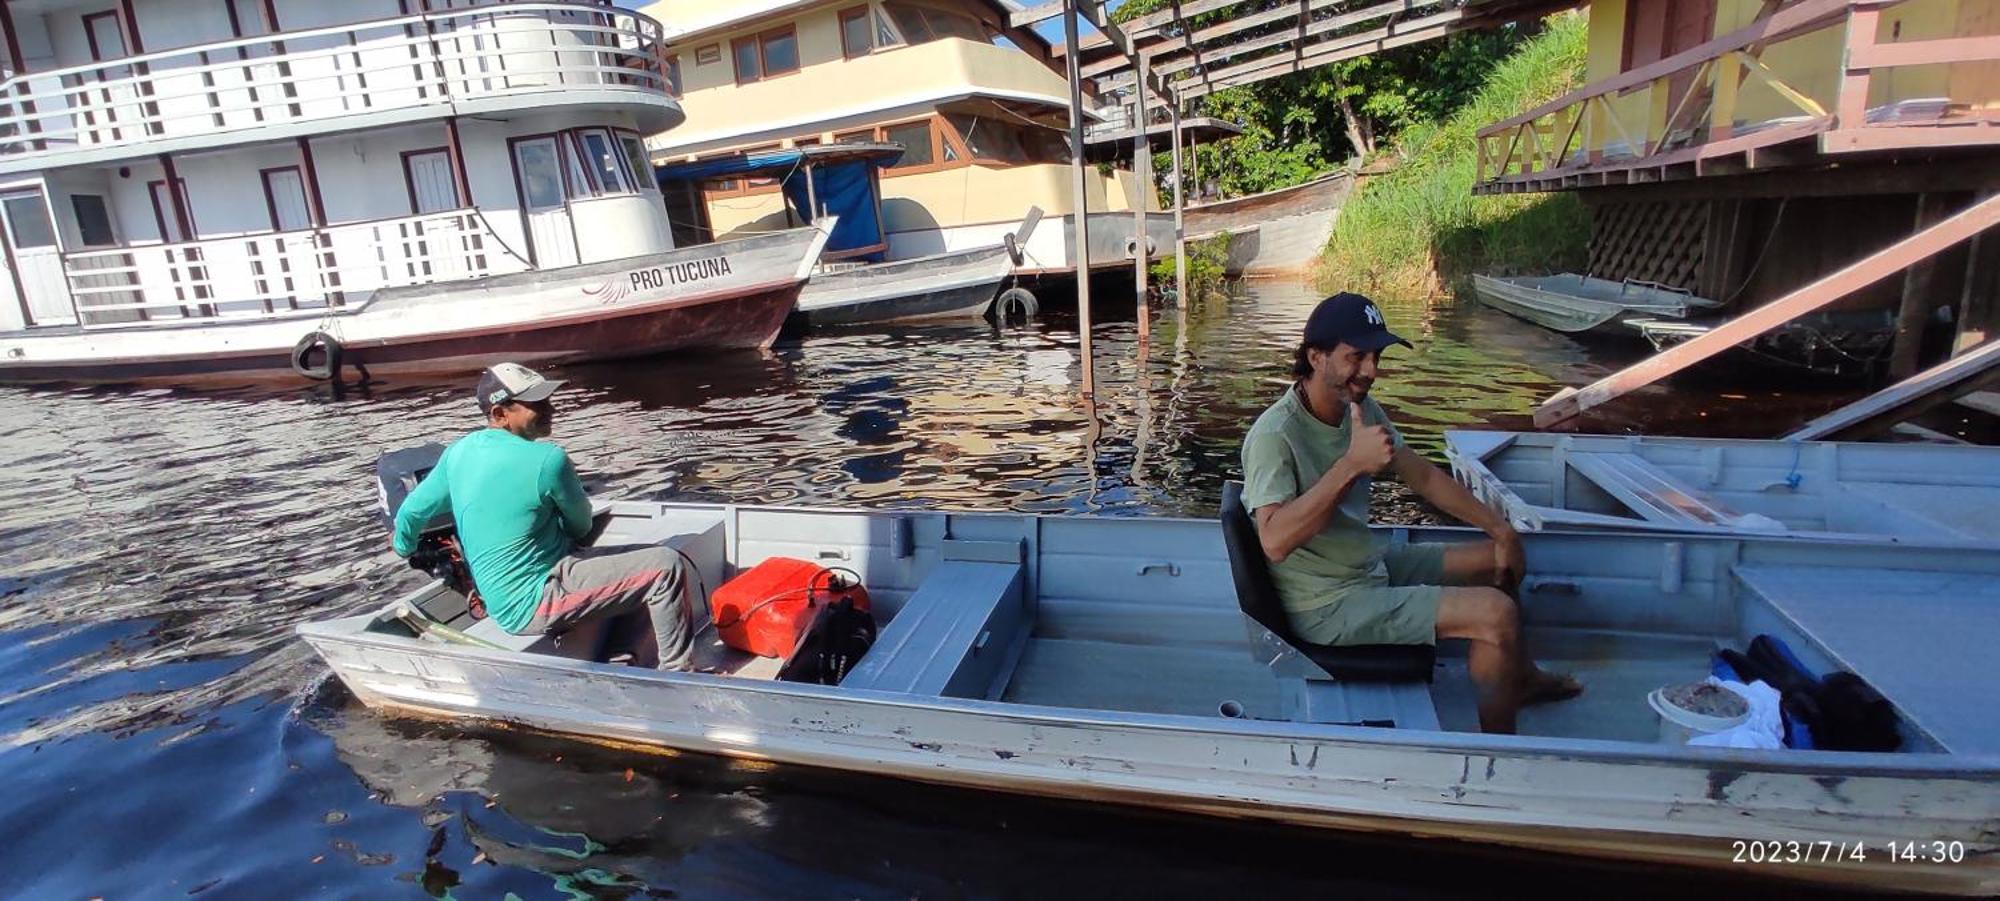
843	180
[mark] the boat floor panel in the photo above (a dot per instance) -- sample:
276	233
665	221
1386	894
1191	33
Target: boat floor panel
1150	678
1618	670
1922	639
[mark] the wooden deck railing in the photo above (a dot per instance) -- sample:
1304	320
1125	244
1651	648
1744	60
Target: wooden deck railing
329	74
277	273
1693	111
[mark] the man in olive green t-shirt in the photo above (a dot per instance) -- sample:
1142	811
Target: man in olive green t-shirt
1308	465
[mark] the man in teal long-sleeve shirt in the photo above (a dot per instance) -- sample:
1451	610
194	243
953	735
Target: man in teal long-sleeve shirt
520	510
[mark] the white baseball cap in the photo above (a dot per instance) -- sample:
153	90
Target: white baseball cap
506	382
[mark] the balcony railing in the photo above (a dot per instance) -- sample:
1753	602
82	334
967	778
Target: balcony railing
325	74
280	273
1685	111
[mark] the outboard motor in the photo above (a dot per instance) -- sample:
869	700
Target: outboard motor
396	475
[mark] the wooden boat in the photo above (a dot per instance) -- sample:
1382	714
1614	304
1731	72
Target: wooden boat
731	294
1579	303
947	286
1834	491
1274	233
1111	659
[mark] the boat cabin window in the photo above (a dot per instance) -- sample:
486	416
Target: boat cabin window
28	221
998	141
708	56
93	220
916	140
607	175
538	161
766	55
920	24
857	32
285	199
428	175
635	157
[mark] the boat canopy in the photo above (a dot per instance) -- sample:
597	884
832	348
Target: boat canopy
844	183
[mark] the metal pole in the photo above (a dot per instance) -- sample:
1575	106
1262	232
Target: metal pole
1142	150
1180	222
1079	196
812	197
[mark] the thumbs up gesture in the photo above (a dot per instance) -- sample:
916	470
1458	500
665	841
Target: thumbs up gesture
1369	448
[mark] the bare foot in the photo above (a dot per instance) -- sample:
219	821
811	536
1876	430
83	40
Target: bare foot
1546	687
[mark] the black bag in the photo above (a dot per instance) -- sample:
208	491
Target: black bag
829	648
1842	711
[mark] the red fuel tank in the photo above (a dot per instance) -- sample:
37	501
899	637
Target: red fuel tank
764	609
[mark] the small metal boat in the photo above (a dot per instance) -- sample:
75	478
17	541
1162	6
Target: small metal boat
1112	659
948	286
1578	303
1931	494
853	283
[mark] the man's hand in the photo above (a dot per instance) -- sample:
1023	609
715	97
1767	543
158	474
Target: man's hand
1369	450
1510	559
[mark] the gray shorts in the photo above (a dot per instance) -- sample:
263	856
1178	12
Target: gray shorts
595	584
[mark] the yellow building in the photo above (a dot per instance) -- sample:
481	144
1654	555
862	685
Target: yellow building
980	109
1745	149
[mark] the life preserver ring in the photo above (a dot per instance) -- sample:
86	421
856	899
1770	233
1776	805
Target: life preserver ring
330	352
1016	301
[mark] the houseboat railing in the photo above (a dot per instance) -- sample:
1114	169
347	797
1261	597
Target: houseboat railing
385	65
281	273
1685	109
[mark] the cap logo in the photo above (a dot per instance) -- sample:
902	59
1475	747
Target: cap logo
497	396
1374	315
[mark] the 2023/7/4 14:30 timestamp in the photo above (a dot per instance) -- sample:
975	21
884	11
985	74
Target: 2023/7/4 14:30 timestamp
1753	851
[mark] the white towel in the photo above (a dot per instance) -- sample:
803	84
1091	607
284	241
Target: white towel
1764	729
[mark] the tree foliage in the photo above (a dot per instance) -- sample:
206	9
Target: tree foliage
1305	124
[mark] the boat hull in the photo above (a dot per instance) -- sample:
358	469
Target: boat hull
1455	787
949	287
1565	303
709	297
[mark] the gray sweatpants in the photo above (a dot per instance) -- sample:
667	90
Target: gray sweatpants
616	582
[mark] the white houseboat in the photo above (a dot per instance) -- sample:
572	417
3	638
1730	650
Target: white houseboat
981	109
407	185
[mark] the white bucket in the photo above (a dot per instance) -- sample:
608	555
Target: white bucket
1677	725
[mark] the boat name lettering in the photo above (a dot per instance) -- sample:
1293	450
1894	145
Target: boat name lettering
680	273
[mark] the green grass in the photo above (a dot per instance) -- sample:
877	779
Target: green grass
1419	229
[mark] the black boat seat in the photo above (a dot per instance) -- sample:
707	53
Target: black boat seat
1257	594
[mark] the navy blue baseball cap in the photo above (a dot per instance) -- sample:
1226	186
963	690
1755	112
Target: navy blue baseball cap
1348	318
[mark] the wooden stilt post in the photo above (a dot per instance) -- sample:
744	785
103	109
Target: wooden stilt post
1923	292
1868	271
1142	152
1180	221
1080	197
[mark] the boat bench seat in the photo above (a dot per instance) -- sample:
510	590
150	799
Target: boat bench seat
1921	639
1653	493
958	635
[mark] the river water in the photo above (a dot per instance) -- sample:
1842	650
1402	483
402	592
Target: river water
162	734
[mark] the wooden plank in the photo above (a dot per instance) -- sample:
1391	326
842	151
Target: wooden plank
1975	49
1785	23
1884	408
1868	271
1853	102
